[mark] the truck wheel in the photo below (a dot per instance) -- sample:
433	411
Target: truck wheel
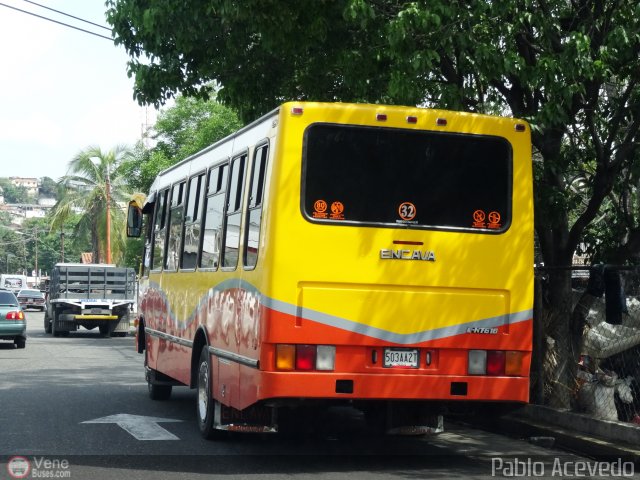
205	404
47	324
54	320
104	330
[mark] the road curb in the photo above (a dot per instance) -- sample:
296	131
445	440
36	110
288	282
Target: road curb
573	431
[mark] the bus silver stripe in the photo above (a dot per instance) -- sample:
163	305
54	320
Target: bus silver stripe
392	337
171	338
234	357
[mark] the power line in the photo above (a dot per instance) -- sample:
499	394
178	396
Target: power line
56	21
68	15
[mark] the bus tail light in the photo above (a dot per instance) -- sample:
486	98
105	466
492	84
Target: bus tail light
326	357
477	362
15	315
285	357
305	357
495	363
514	361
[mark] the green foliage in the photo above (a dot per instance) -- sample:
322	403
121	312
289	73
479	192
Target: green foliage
259	52
14	194
48	187
191	125
181	130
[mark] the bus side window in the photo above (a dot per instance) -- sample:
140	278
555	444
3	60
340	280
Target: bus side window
234	212
159	231
192	222
252	227
213	217
176	214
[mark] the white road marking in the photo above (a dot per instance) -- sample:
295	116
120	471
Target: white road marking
140	427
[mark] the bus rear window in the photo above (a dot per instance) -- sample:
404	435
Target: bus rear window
408	178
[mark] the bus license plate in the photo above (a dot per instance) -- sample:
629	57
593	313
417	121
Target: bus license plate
394	357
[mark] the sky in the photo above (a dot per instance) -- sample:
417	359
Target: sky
61	90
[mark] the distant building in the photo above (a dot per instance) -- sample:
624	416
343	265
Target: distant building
46	202
30	184
21	211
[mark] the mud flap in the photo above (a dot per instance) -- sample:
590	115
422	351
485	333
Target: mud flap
255	419
123	324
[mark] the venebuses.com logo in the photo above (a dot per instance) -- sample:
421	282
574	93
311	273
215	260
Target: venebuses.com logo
18	467
38	467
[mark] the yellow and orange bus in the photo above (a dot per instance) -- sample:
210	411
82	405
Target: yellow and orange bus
379	256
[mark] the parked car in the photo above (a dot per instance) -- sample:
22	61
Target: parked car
31	299
13	324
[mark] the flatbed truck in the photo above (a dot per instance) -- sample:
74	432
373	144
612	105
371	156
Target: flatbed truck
90	296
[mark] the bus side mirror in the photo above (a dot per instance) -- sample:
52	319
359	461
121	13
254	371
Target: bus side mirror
134	220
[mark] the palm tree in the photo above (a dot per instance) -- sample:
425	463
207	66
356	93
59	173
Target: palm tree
94	182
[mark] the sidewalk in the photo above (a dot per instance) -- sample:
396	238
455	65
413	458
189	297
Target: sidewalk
573	431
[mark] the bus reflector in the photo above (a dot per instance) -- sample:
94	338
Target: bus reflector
477	362
381	117
513	366
412	119
495	363
326	357
285	357
520	127
297	110
441	122
305	357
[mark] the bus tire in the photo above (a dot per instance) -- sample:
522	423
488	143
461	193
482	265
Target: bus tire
159	392
156	392
205	404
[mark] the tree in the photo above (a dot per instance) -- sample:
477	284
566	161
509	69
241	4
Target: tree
48	187
12	251
13	193
93	177
568	67
181	130
258	51
38	236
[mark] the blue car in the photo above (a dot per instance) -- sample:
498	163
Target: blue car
13	324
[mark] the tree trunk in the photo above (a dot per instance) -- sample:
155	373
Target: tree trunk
559	306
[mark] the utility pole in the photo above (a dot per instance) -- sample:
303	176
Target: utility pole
37	272
108	208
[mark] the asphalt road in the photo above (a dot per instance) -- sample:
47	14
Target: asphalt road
77	407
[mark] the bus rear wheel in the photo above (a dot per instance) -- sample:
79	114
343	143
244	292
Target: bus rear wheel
205	404
156	392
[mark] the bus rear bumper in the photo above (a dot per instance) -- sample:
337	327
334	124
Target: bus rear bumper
326	385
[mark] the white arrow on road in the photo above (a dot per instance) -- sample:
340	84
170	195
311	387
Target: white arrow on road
142	428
